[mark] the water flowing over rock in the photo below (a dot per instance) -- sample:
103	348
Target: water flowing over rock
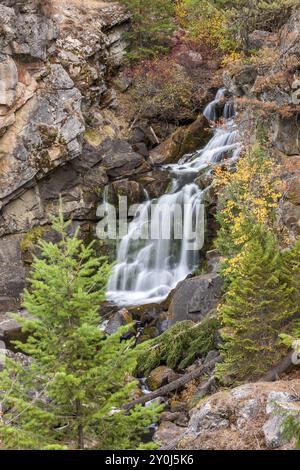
164	239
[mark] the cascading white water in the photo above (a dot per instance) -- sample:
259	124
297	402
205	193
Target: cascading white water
148	268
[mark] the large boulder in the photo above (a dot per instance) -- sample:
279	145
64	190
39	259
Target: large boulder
120	318
195	297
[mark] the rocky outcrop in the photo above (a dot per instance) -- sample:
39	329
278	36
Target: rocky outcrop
246	417
290	36
270	89
56	61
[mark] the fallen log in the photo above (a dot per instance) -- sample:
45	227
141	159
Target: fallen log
281	367
174	385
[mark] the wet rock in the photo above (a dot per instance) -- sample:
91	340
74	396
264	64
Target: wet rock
121	318
194	298
155	182
161	376
131	189
184	140
119	159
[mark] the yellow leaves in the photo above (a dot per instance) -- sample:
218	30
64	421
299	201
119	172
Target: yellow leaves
181	13
230	58
233	264
249	195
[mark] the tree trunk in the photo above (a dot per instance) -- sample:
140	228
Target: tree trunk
80	435
175	385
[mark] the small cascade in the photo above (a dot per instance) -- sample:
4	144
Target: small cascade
162	247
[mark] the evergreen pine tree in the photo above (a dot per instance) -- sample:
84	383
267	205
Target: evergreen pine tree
152	25
245	16
71	393
258	305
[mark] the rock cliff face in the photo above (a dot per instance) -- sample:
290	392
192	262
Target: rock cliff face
272	85
56	60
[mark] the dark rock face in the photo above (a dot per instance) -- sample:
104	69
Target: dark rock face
195	297
120	160
240	81
286	134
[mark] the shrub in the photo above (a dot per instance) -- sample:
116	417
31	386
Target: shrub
163	90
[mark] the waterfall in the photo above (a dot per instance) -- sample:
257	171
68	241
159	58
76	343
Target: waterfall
162	244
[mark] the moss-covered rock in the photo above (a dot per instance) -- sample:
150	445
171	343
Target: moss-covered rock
160	376
180	345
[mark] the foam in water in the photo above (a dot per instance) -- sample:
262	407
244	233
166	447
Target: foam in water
148	269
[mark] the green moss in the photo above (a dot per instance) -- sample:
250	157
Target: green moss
30	238
95	137
179	346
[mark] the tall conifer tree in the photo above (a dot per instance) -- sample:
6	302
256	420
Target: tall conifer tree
71	393
258	305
